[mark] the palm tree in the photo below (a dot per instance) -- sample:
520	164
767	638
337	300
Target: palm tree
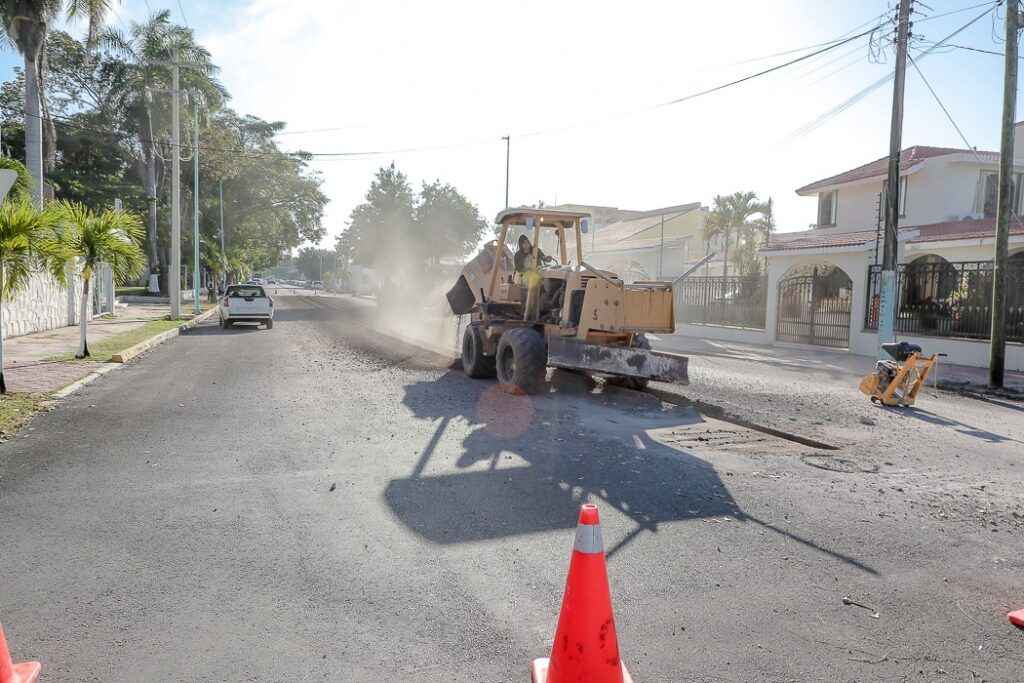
765	225
28	243
142	46
24	24
729	220
110	238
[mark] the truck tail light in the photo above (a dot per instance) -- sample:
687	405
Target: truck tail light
225	302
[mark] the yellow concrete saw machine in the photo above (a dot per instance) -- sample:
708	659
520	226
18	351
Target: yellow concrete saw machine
897	382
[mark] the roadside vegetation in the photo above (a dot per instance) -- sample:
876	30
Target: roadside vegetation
16	409
105	348
104	129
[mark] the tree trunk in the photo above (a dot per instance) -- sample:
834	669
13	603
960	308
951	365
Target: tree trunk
154	259
3	383
48	129
83	324
33	130
151	225
164	259
725	263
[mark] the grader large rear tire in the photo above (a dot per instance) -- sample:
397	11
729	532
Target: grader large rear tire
521	361
474	363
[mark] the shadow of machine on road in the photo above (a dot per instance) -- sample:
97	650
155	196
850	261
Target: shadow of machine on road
530	461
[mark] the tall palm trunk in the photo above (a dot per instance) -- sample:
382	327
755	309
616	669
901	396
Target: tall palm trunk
725	263
151	224
83	324
3	275
33	129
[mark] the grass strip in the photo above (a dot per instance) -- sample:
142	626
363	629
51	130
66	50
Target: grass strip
103	349
16	409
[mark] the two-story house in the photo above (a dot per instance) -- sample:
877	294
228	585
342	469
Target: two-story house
640	245
825	279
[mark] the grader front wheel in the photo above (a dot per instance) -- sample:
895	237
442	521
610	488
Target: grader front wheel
521	361
474	363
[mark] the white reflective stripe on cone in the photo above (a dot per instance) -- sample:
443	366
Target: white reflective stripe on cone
588	539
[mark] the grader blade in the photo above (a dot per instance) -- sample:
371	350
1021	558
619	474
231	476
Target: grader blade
565	352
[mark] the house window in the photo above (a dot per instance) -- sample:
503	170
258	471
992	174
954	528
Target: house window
827	202
988	197
903	198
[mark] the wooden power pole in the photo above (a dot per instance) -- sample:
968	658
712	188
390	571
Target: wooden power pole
887	298
997	351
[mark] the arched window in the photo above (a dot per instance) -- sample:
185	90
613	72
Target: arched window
930	279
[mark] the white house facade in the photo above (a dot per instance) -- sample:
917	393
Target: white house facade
822	282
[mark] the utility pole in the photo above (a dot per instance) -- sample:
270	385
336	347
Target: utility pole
508	157
175	283
661	252
223	253
321	278
195	200
997	351
887	303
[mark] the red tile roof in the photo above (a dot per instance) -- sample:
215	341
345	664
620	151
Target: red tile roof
934	232
814	239
909	158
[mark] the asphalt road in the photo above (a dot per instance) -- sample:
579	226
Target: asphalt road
175	521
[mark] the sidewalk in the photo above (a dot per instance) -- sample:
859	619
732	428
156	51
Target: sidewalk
26	365
838	363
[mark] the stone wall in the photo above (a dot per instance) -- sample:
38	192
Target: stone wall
42	305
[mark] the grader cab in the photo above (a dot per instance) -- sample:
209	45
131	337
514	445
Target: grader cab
558	311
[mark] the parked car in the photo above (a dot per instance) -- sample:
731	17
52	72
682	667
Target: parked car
317	284
246	303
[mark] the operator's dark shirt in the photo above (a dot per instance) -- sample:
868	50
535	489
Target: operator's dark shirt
524	259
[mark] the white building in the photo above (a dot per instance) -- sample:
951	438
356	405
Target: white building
822	282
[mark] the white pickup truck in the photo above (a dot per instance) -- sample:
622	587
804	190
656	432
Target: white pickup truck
246	304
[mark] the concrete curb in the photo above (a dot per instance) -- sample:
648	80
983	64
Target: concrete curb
79	383
133	351
118	359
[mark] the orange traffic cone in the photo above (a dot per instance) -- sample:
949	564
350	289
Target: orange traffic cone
586	647
1016	618
26	672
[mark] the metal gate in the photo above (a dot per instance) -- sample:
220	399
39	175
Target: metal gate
815	309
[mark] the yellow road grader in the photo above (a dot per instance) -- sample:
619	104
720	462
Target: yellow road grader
564	314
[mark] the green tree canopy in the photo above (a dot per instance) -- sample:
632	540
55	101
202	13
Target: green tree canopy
114	143
395	231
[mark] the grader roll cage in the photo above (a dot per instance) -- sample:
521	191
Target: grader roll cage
569	315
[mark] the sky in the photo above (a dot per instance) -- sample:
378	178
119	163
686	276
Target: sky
434	86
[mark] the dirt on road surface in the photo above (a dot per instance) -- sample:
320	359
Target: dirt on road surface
325	502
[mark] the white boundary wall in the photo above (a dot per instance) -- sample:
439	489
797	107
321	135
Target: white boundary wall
42	305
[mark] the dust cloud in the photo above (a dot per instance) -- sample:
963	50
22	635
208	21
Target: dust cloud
411	302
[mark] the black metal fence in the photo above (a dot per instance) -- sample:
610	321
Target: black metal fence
949	299
731	301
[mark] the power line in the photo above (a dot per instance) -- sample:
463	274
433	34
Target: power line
318	130
857	97
975	49
379	153
298	155
959	132
119	19
945	111
701	93
873	21
183	18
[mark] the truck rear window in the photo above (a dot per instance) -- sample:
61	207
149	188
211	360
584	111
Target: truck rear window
245	292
